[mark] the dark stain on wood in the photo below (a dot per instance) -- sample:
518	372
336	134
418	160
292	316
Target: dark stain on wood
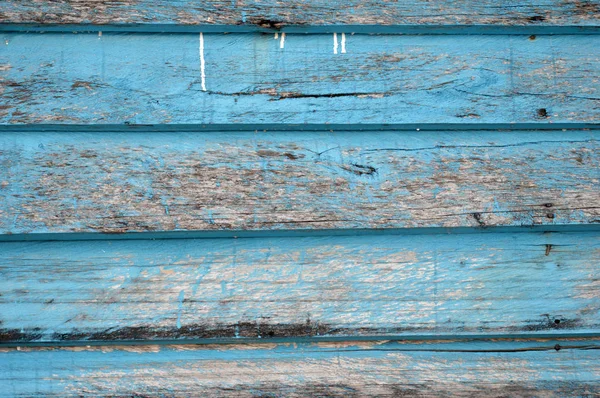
240	330
360	169
479	219
552	323
536	18
264	23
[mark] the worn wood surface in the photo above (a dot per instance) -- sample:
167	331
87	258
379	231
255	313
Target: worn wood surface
334	370
119	79
314	12
523	283
124	182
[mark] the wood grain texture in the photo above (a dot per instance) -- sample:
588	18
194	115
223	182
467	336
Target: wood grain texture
119	79
352	286
314	12
332	370
126	182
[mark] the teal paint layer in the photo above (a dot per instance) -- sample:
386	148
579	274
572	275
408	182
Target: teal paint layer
562	368
271	181
533	284
156	79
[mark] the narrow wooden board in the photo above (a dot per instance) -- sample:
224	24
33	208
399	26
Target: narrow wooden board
124	79
125	182
249	13
351	286
334	370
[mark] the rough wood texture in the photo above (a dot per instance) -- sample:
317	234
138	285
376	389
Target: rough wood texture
124	182
123	79
275	14
524	283
490	370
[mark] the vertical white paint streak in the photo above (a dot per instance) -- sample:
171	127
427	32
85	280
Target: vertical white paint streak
99	34
335	43
276	36
343	43
202	74
282	42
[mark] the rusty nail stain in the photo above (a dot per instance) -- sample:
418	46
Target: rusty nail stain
532	37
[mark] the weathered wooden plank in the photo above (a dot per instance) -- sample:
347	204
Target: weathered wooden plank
334	370
313	12
523	283
125	182
159	79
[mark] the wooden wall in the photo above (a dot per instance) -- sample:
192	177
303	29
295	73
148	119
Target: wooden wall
302	198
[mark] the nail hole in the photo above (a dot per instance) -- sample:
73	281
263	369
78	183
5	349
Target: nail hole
542	112
271	334
557	347
557	321
548	204
550	215
532	37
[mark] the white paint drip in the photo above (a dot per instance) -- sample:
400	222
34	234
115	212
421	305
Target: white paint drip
202	74
99	34
282	42
335	43
276	36
343	43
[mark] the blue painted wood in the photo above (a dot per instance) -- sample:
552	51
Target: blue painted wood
118	79
322	13
488	369
406	284
128	182
524	284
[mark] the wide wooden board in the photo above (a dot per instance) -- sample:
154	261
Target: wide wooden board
249	79
231	181
352	286
516	369
253	13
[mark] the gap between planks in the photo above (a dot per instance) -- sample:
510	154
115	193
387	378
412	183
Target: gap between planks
159	235
242	127
543	342
312	29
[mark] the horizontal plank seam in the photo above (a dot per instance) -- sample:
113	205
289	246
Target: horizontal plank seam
146	128
309	29
301	340
158	235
